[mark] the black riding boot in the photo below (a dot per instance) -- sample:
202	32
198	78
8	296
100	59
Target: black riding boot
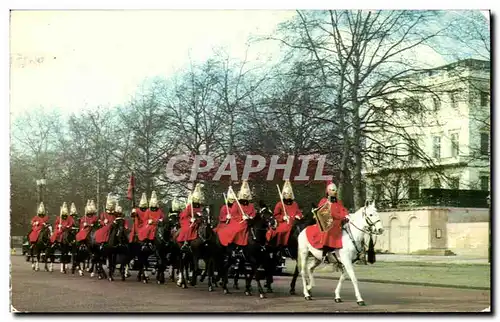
326	250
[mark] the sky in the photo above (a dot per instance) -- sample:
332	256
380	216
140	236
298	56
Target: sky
79	59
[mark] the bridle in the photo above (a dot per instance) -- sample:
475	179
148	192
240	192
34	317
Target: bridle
366	230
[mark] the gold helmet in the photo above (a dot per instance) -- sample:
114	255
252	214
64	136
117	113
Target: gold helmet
92	207
64	209
41	209
144	201
245	193
176	205
87	207
110	202
287	191
72	209
197	195
231	197
331	189
153	202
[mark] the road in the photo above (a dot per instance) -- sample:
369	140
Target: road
56	292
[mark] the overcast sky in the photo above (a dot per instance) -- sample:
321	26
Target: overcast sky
77	59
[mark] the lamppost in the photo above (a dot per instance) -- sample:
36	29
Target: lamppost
488	199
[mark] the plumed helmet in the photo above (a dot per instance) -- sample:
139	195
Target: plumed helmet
72	209
288	190
197	195
153	202
110	202
144	201
245	193
231	197
331	189
64	209
41	209
92	207
87	207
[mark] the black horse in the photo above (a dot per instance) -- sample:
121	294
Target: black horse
65	247
203	247
82	254
255	254
115	250
39	247
291	250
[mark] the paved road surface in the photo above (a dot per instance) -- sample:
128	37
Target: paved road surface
55	292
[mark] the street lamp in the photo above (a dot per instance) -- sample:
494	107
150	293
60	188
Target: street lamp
40	184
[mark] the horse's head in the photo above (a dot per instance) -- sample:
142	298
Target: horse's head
267	215
118	235
371	219
206	223
162	233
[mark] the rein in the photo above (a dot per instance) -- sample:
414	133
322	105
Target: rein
364	231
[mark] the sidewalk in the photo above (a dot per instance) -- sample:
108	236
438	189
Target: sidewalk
430	259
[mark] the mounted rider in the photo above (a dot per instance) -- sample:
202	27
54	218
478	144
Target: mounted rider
329	236
173	215
87	222
119	214
62	224
285	212
189	217
225	209
105	220
37	223
236	232
139	217
153	215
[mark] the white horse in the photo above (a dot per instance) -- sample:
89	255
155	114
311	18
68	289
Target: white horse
364	221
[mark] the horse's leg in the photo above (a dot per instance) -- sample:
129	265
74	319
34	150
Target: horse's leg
310	272
195	270
303	258
111	264
338	299
32	257
294	278
349	269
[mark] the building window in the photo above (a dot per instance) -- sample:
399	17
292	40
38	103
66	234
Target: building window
455	183
454	144
436	183
453	100
485	144
436	147
485	98
413	189
485	183
437	103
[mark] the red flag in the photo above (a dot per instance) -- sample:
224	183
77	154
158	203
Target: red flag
130	191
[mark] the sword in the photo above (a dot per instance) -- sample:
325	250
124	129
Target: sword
283	204
227	208
239	206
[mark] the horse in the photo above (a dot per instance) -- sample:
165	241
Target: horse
255	253
65	247
116	248
40	246
82	254
290	250
203	247
364	221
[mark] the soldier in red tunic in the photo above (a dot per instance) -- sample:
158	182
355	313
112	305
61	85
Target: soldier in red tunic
332	239
153	215
87	222
189	217
119	214
285	217
139	217
225	209
62	224
236	232
37	223
106	219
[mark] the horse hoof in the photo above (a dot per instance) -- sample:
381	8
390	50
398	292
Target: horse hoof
210	288
184	286
262	296
361	303
99	277
80	273
33	266
145	281
339	300
158	282
128	275
226	291
91	274
247	293
292	292
308	298
111	279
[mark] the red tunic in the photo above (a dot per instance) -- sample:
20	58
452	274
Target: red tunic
139	220
237	230
283	230
102	234
148	231
86	223
222	217
333	237
58	232
188	232
36	227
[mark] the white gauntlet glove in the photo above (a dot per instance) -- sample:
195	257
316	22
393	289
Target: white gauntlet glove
106	221
245	217
192	220
35	223
228	216
150	221
59	226
85	224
